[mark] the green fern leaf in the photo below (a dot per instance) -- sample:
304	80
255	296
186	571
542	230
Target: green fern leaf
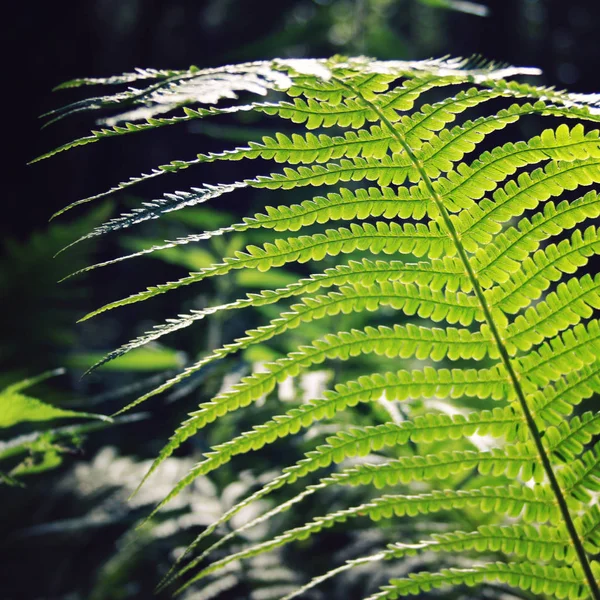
560	582
493	244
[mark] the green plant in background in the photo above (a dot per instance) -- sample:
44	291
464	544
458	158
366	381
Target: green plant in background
37	325
455	240
39	450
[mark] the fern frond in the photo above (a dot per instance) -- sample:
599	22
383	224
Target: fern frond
563	354
331	91
355	112
450	146
535	504
483	221
389	203
526	541
494	244
512	461
523	541
149	124
564	144
569	439
568	305
560	582
366	271
544	267
470	182
487	499
428	428
136	75
557	401
130	96
582	476
376	141
357	442
398	341
436	155
156	208
418	240
346	205
589	526
503	256
562	98
452	307
536	273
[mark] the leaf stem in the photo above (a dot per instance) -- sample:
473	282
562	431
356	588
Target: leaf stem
504	356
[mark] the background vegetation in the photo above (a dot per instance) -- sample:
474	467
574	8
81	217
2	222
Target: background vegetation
71	525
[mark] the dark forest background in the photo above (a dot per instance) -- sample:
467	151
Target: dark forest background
56	41
46	528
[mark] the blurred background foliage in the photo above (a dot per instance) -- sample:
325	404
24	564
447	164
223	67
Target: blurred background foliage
69	520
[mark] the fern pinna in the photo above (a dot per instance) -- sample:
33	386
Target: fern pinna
489	244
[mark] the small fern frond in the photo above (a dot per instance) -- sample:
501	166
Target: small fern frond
156	208
573	301
570	438
386	507
557	401
545	267
398	341
358	442
523	541
149	124
543	543
582	476
501	259
563	354
559	582
418	240
534	504
366	271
